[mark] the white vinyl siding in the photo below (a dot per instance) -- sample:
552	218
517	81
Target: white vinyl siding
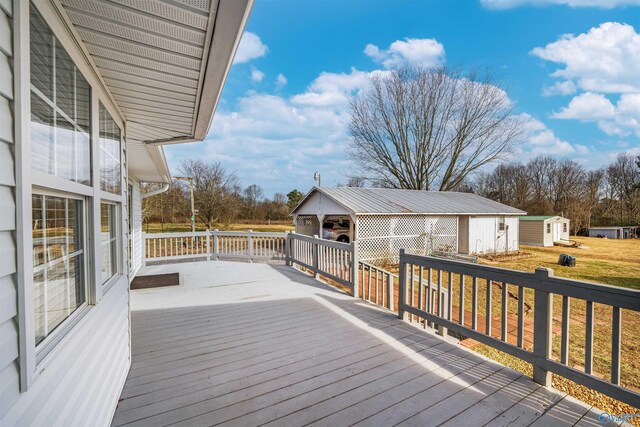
136	229
9	376
485	236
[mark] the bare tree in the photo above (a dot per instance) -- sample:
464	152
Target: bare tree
252	197
216	191
428	129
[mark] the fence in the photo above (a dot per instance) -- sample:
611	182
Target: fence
332	260
214	245
544	286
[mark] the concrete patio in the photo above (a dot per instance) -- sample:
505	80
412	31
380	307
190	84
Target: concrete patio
255	344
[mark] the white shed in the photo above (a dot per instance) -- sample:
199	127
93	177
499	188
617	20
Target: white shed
383	221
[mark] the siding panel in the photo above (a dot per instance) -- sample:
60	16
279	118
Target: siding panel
137	228
9	375
80	381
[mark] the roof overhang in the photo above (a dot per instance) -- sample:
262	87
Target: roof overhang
164	64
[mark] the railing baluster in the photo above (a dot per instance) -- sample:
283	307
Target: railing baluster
474	304
450	297
505	310
616	336
588	345
411	290
421	289
377	291
521	316
488	309
566	316
461	308
369	285
440	307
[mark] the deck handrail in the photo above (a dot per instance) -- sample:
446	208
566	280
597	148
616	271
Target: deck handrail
544	286
214	245
336	261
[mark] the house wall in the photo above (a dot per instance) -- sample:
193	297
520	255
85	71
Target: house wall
9	375
79	381
136	229
485	236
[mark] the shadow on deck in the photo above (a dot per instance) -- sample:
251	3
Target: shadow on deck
252	344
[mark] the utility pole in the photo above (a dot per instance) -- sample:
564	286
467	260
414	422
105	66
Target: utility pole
193	207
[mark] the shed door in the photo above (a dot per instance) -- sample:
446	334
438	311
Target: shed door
557	231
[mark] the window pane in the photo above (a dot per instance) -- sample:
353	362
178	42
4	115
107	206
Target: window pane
108	241
110	179
58	254
60	108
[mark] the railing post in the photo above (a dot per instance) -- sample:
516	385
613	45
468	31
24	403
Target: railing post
390	291
287	249
542	326
314	257
208	237
216	245
250	244
402	286
355	265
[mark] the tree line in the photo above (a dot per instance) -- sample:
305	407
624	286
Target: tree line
546	186
218	198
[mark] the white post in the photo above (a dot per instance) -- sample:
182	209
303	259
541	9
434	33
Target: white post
216	245
250	245
208	237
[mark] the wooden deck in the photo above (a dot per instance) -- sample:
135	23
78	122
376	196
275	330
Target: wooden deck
253	344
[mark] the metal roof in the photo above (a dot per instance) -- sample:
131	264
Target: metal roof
369	201
613	227
539	217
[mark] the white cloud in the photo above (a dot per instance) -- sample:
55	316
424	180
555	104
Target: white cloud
251	47
424	52
566	87
281	81
587	106
256	75
621	119
334	89
538	139
605	59
603	4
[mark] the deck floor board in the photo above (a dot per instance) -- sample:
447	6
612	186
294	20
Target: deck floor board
254	344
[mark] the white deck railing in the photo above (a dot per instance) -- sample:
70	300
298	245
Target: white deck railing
214	245
541	286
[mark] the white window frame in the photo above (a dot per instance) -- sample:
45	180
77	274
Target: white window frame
502	223
51	340
34	361
106	285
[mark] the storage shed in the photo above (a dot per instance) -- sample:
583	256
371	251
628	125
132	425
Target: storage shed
614	232
383	221
543	230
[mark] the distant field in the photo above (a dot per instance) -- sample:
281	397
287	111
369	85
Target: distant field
608	261
275	226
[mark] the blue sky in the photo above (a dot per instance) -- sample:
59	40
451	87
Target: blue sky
571	68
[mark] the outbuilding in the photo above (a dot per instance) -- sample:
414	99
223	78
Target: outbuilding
614	232
383	221
543	230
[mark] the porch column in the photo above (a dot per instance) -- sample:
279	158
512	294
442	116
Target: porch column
321	218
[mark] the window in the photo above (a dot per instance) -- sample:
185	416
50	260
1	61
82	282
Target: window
501	223
108	240
58	261
110	177
548	228
60	109
564	227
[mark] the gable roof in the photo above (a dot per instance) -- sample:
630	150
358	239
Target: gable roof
368	201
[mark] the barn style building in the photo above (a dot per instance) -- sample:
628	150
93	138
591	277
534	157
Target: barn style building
383	221
543	230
